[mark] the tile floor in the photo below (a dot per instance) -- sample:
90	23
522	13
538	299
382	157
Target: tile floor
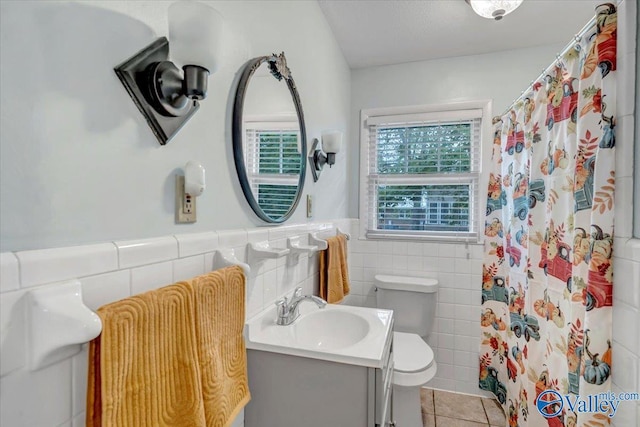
444	409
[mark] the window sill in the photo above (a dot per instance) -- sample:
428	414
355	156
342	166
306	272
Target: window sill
472	238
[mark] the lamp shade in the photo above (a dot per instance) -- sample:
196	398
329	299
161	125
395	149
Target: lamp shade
332	142
195	32
494	9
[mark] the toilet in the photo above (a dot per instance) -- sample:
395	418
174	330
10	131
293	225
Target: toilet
413	301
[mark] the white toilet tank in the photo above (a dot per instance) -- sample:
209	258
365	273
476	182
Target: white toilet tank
412	299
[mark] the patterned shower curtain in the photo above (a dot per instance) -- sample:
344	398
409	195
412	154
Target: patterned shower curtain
547	275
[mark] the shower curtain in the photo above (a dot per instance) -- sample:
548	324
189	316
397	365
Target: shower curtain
547	275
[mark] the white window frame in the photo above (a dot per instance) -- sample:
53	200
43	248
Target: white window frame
373	114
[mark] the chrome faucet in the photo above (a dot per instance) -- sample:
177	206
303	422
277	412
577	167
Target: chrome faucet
288	309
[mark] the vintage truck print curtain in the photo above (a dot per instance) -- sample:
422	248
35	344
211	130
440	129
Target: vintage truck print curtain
547	276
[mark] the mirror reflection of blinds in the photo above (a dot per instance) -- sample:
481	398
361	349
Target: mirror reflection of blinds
423	174
272	152
276	200
273	162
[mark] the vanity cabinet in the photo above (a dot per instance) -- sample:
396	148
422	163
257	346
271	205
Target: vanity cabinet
295	391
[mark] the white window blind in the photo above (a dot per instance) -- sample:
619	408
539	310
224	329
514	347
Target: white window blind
273	162
422	174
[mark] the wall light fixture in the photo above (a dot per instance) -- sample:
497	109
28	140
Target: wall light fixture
494	9
331	144
164	94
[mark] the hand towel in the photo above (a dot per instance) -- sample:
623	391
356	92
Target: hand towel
143	367
171	357
334	274
220	310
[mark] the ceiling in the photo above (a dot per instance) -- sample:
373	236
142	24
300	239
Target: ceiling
381	32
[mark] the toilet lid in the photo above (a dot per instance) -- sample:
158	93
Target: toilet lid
402	283
411	353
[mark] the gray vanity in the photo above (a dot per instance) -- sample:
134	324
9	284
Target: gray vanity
331	367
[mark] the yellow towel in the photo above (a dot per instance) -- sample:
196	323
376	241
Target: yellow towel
334	275
145	369
221	350
171	357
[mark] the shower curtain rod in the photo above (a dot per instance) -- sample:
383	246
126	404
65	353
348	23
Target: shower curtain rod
571	45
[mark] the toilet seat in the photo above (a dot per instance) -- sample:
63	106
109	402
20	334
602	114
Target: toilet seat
414	362
411	353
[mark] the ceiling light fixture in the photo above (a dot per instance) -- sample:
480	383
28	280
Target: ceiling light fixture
494	9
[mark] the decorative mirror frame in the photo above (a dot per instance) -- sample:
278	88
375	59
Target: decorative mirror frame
279	70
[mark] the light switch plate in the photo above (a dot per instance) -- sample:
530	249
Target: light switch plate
185	205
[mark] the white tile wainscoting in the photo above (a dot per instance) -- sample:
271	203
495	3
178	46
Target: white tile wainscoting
55	395
625	371
625	348
455	336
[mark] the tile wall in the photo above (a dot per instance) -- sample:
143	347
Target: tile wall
55	395
626	297
455	338
626	333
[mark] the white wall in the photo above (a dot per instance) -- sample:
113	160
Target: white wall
626	250
636	209
498	76
78	163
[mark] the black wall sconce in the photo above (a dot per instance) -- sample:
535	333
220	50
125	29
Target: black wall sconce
331	143
164	94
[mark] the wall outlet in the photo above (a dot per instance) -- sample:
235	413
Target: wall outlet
309	206
185	203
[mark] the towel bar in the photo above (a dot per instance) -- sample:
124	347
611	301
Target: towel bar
59	323
314	238
339	232
226	258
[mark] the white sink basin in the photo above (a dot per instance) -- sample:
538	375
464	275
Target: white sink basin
330	329
346	334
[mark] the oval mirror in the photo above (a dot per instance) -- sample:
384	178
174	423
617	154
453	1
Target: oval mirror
269	138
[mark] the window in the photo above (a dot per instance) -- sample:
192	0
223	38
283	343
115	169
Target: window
420	172
272	156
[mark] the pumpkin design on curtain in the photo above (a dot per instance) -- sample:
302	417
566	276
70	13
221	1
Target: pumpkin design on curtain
547	276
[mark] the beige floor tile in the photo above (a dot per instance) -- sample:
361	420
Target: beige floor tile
428	420
426	400
454	422
454	405
494	412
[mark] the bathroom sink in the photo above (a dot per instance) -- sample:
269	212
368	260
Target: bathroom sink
330	329
338	333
